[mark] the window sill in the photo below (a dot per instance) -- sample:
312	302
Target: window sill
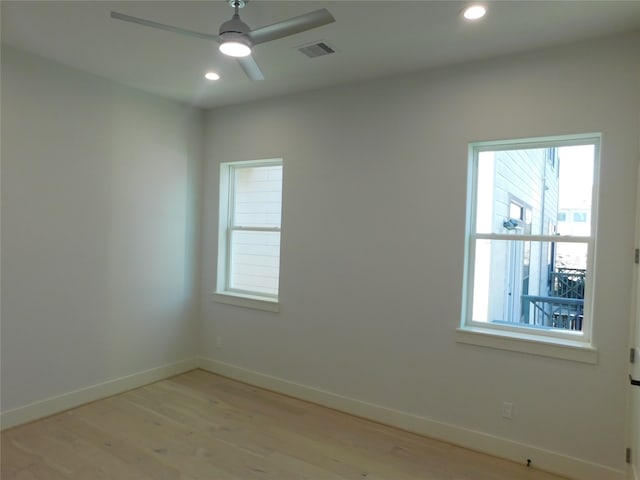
531	344
248	301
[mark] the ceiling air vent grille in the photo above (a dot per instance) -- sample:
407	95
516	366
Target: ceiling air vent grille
316	49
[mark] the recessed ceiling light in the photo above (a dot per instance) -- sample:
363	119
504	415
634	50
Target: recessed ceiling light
212	76
474	12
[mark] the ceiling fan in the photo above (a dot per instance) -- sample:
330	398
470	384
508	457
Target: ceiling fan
236	39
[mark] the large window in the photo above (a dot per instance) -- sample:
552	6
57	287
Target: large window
529	270
249	233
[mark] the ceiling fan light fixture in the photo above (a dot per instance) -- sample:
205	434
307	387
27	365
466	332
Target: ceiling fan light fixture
234	48
474	12
234	35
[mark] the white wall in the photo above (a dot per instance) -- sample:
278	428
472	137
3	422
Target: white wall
100	199
372	242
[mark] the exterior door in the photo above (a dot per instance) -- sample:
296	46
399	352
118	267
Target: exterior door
514	283
520	258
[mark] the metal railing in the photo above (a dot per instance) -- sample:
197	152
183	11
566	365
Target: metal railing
553	312
567	283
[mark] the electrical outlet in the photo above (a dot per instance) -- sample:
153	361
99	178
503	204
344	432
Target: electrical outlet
218	343
507	410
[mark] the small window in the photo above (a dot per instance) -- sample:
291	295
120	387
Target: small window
580	217
249	233
524	278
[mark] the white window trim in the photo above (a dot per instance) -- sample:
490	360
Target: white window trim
556	344
526	343
249	301
223	293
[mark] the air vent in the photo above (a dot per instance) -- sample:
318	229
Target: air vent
316	49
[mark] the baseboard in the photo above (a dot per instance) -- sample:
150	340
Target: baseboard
60	403
500	447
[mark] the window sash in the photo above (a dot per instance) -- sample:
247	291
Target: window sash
583	335
230	273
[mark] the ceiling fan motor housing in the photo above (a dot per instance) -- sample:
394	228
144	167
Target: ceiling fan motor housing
235	25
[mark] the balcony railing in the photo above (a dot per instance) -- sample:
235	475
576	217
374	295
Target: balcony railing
567	283
553	312
563	307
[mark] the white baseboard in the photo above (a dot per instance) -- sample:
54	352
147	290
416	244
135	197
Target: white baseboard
500	447
60	403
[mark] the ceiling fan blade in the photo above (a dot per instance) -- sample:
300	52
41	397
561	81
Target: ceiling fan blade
291	26
251	68
162	26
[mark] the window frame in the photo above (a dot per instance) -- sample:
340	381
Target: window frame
224	293
569	345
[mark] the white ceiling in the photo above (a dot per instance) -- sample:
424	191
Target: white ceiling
372	39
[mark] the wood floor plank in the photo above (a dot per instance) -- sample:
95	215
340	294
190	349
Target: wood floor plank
203	426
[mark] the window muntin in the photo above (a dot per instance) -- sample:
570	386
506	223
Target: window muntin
525	273
250	221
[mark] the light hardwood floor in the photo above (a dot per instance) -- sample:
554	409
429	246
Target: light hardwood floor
203	426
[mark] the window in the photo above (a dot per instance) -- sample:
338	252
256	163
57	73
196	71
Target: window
579	216
525	278
249	233
519	215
